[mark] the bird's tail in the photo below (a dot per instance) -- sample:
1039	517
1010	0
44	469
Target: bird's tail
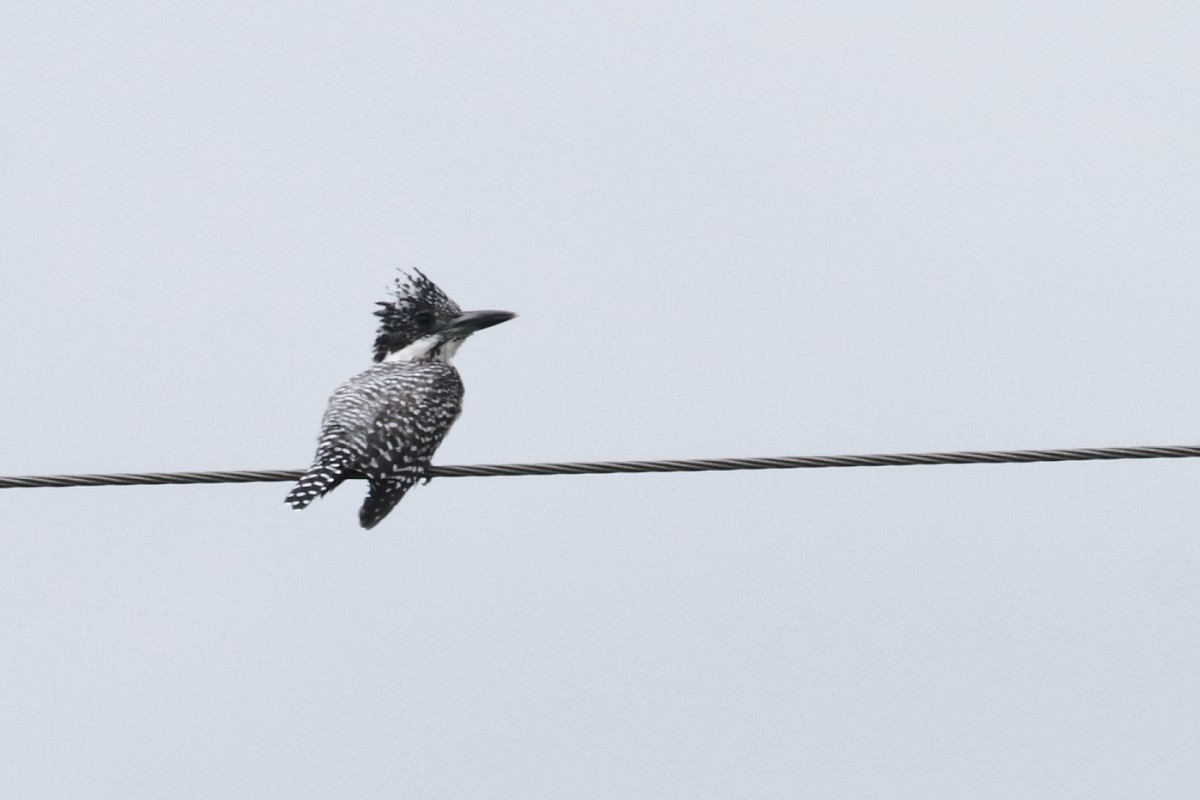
317	482
383	497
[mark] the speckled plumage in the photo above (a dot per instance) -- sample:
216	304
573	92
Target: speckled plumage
385	424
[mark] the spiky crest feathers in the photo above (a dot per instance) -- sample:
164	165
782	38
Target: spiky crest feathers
417	307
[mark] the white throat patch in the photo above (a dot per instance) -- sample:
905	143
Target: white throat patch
419	350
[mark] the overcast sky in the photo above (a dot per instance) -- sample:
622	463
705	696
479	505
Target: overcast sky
730	229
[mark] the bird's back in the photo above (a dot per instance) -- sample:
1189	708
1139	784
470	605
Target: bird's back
383	424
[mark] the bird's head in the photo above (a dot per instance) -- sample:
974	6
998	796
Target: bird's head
422	323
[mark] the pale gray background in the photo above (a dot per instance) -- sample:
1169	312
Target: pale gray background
730	229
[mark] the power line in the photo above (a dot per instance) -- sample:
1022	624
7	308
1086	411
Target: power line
608	467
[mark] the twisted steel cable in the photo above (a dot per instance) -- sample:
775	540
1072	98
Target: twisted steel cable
610	467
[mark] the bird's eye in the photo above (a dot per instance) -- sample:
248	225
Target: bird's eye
424	319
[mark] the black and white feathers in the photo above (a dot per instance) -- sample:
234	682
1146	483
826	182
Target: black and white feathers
417	308
385	424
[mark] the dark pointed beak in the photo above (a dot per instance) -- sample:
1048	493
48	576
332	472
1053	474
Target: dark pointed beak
470	321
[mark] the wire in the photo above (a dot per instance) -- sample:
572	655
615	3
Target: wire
606	467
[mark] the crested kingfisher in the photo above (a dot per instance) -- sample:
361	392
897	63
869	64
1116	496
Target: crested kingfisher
384	424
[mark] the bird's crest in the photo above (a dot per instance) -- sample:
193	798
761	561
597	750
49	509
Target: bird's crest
418	307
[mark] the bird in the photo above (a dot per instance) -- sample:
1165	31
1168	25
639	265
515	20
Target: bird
385	423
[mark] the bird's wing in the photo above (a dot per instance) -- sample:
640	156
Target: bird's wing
413	416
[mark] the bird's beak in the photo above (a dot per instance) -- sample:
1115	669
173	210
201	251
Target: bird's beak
470	321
